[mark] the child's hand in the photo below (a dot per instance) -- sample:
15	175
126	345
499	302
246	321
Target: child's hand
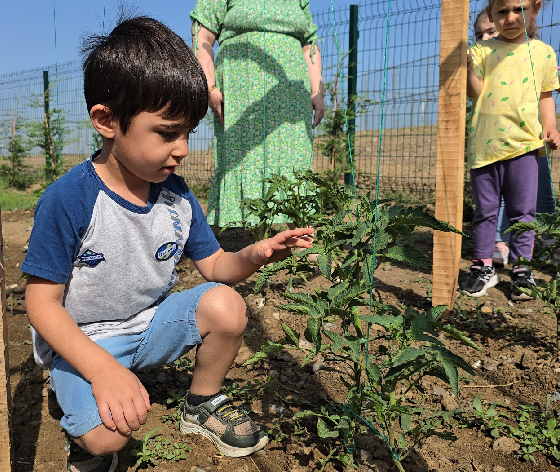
552	139
121	399
280	246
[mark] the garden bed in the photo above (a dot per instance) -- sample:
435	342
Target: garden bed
518	365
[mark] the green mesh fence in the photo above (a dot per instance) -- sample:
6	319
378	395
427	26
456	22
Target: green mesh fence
408	155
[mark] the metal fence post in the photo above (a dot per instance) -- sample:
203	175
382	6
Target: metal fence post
352	82
48	163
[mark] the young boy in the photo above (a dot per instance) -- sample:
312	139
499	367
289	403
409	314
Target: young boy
103	250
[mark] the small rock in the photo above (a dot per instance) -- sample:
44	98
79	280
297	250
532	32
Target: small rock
438	391
275	409
328	326
243	468
12	287
486	310
555	397
29	228
318	366
386	267
375	466
449	403
274	374
195	468
510	303
260	302
276	315
505	445
303	344
477	364
489	366
161	378
528	360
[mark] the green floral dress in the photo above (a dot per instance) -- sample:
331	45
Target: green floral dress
261	71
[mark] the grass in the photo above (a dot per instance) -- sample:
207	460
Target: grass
14	200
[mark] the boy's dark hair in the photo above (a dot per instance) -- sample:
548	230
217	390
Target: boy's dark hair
144	66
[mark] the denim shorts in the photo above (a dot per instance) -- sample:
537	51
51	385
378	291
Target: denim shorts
172	333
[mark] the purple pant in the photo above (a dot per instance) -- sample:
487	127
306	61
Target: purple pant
516	179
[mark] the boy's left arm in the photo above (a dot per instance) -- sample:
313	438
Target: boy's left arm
233	267
548	115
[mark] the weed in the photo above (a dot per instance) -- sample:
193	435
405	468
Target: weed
534	429
153	449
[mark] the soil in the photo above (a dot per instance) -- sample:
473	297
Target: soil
519	366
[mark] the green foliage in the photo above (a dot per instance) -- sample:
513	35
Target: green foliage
545	259
50	134
305	200
151	450
534	429
335	141
10	201
377	382
15	173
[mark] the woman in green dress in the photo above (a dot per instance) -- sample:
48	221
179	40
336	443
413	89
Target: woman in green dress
263	88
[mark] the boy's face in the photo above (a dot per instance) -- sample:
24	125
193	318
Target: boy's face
153	146
484	29
507	16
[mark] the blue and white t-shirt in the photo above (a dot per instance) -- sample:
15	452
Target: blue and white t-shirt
117	259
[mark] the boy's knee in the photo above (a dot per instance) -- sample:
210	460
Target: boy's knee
222	309
101	441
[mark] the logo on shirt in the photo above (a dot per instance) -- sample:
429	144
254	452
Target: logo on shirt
167	251
91	258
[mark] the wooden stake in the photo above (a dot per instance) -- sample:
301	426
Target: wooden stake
5	393
450	147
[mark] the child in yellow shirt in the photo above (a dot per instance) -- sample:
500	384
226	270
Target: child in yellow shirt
512	80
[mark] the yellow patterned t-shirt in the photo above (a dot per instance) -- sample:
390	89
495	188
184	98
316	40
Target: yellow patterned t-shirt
505	120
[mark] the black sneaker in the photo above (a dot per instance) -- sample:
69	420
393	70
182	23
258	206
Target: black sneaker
479	280
521	277
228	427
82	461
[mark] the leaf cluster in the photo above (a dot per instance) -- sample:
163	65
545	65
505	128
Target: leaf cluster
153	449
535	430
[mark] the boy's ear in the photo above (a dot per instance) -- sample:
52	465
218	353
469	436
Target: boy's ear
102	121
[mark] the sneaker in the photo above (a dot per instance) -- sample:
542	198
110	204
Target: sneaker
521	277
501	253
479	280
81	461
228	427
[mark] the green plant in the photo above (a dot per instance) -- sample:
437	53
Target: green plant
151	450
544	259
16	171
50	134
534	429
251	390
334	138
377	382
305	200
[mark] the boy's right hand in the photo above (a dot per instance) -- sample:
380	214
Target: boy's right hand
121	399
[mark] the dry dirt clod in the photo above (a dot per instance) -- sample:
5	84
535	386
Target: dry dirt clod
506	445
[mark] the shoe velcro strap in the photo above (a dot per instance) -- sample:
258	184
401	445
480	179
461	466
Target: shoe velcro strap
216	403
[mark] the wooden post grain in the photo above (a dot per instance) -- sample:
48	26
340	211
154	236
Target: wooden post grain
450	147
5	394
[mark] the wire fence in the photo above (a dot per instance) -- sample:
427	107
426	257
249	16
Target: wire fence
408	87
